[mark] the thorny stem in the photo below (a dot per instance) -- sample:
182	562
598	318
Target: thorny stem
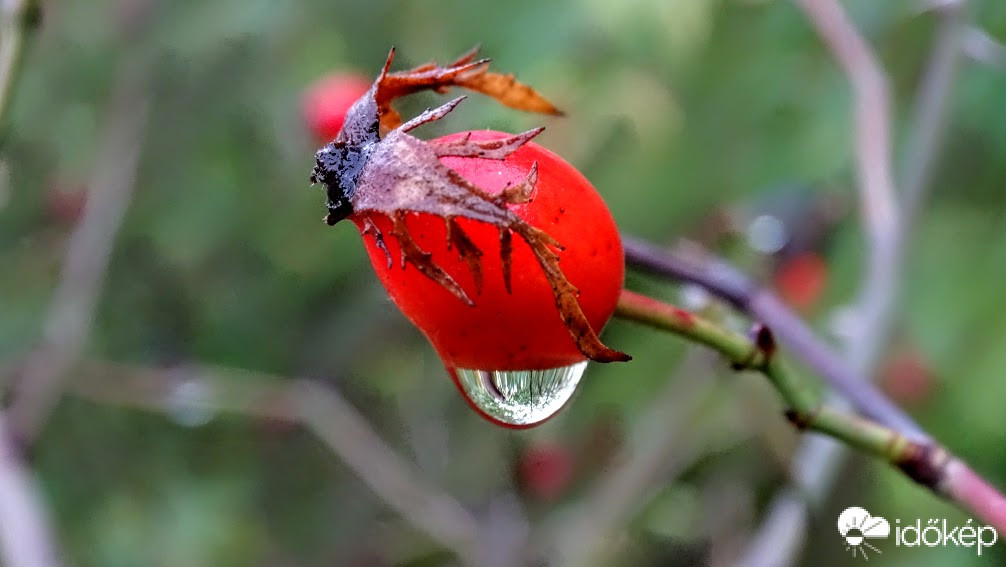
730	284
923	461
744	353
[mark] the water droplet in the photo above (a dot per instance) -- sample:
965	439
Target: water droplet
188	403
519	398
694	297
767	234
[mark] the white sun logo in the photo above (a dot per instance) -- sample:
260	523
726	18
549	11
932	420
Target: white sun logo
857	526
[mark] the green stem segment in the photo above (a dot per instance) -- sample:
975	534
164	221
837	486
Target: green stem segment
921	461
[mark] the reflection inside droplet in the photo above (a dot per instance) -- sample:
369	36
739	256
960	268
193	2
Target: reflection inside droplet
519	398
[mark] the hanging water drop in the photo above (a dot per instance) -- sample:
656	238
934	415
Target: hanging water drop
519	398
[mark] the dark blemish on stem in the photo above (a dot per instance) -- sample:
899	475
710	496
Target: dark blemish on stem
764	344
764	340
924	463
801	421
793	417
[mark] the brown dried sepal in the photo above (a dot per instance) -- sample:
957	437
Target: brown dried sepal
465	72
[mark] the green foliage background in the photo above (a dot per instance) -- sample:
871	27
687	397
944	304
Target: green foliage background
677	110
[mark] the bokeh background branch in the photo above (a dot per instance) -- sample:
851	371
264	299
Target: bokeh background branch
887	220
26	538
879	208
317	406
26	534
37	385
665	442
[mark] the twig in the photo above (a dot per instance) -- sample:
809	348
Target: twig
816	462
17	19
666	446
876	184
925	462
929	116
25	537
731	285
71	311
814	469
316	405
348	435
162	389
975	43
980	46
774	543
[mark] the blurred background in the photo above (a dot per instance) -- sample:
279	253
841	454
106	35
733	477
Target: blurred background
723	122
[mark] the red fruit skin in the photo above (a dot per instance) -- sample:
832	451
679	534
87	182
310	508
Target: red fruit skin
327	100
520	330
545	470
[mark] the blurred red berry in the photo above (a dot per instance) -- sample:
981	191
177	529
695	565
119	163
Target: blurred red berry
800	280
544	471
327	100
908	376
64	203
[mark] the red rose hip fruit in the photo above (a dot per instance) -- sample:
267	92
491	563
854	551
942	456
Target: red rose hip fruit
499	251
510	354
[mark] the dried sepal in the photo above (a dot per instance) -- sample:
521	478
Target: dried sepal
467	251
520	193
507	90
370	227
467	72
565	296
488	149
506	258
422	260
